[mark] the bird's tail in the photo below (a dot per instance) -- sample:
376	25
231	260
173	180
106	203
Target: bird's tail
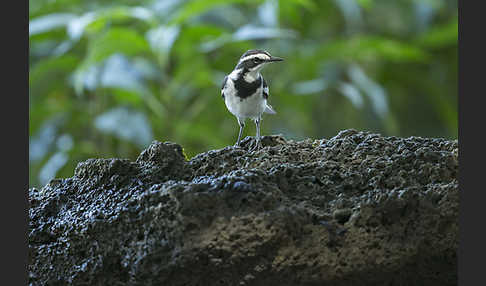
269	109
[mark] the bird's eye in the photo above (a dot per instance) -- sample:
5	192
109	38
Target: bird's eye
256	61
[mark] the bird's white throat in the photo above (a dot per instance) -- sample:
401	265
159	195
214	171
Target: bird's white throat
251	76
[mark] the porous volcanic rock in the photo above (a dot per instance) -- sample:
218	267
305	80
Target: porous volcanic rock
357	209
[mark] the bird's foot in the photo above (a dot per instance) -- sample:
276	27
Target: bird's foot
238	144
256	146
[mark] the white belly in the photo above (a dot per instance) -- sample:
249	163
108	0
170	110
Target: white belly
250	107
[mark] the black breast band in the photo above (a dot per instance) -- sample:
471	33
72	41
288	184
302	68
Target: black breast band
244	88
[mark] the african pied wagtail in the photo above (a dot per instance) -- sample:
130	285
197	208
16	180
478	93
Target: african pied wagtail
245	92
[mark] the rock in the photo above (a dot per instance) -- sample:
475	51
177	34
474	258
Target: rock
357	209
342	215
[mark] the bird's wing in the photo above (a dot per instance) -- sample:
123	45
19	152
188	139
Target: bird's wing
268	107
223	85
265	89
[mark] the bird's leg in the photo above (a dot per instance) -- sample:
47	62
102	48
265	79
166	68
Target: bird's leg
258	142
242	125
257	123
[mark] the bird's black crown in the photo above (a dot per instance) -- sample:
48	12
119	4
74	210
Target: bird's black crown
254	52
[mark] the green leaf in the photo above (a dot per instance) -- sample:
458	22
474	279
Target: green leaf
186	47
249	32
194	8
124	96
366	4
46	75
120	15
308	4
369	47
116	40
438	36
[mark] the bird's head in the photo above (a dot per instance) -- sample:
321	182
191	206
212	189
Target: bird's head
255	60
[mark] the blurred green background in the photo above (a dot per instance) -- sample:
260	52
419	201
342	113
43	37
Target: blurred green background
108	77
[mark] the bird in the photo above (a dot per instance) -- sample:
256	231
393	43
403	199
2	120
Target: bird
245	92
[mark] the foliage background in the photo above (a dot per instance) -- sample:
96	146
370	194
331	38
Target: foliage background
108	77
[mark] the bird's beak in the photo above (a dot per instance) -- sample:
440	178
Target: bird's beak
275	59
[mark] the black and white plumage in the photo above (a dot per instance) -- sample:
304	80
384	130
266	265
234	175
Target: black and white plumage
245	91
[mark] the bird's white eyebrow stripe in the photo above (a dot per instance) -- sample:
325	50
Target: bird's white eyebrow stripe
260	56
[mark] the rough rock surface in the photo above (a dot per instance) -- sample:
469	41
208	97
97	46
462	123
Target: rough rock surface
357	209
